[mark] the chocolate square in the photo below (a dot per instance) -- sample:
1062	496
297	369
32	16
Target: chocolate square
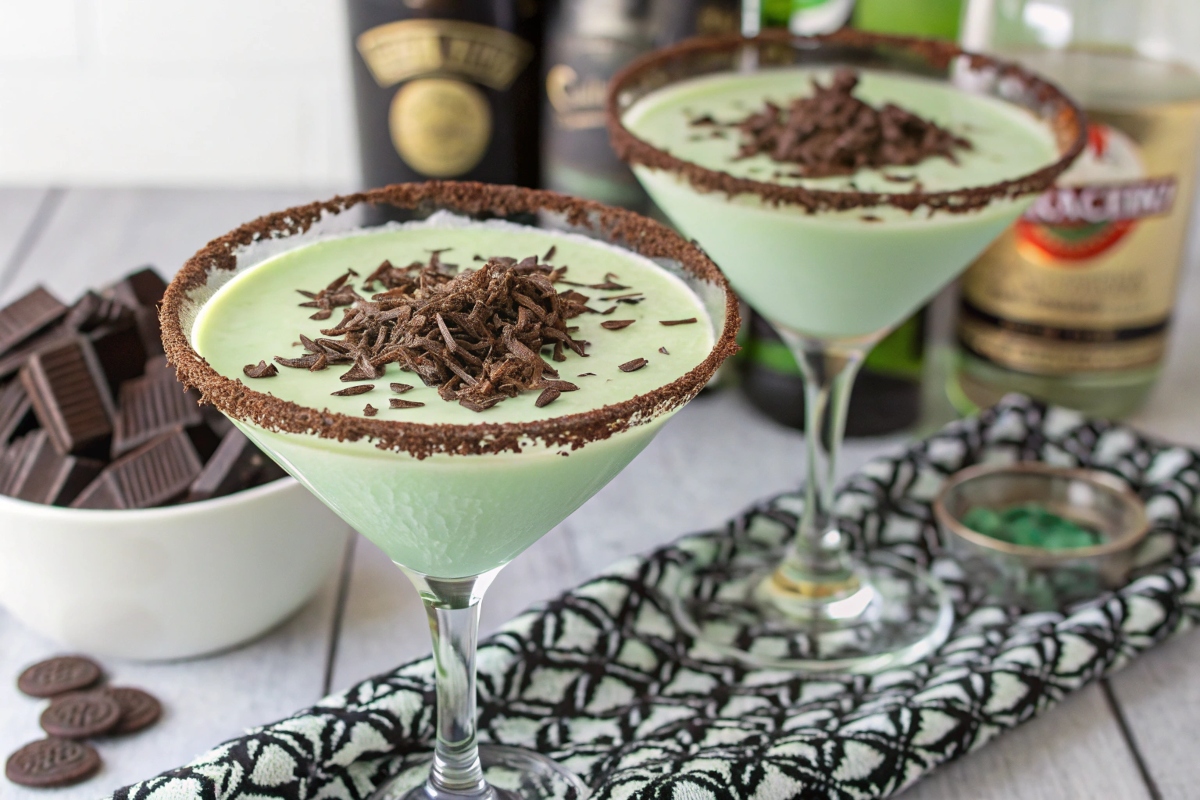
70	396
153	475
27	315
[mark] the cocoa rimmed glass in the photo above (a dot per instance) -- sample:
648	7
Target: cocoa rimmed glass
822	606
601	443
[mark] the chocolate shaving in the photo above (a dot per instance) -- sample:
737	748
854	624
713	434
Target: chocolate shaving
670	322
663	350
350	391
399	402
260	370
401	388
586	375
633	366
548	396
370	410
616	324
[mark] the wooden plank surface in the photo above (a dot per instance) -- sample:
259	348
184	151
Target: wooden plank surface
92	237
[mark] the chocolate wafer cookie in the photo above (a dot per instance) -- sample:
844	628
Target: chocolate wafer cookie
52	762
59	675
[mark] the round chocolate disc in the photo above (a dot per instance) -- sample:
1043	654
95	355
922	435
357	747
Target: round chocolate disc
52	762
59	675
138	709
81	714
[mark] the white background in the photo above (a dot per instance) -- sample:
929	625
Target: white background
176	93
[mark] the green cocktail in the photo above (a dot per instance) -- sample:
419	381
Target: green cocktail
840	182
453	446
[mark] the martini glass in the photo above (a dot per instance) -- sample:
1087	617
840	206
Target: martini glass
834	264
451	504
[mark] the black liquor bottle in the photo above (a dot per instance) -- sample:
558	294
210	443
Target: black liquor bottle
447	89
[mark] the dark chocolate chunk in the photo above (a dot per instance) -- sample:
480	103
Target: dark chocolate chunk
397	402
235	465
151	406
121	354
633	366
27	315
669	322
152	475
370	410
11	461
350	391
70	396
52	762
144	288
260	370
548	396
80	715
12	361
16	412
43	475
149	329
139	709
93	311
616	324
59	675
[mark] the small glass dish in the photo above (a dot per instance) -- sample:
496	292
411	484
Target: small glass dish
1037	578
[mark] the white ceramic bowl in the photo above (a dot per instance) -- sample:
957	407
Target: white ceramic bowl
171	582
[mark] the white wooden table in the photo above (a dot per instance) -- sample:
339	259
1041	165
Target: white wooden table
1129	738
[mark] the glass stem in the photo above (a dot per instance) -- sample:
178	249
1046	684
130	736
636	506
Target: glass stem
817	566
453	610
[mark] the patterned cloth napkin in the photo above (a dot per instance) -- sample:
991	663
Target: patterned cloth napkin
603	681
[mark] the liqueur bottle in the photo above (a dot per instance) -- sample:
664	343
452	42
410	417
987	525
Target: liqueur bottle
447	89
1073	304
587	42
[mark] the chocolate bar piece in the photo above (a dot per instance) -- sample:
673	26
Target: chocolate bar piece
11	461
27	315
235	465
12	361
70	396
143	291
93	311
43	475
152	475
151	406
120	352
16	412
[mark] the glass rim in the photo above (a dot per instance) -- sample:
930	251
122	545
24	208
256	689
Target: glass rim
1063	115
629	230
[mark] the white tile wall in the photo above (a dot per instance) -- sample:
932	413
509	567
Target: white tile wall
160	92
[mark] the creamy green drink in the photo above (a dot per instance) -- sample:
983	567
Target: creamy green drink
453	516
836	274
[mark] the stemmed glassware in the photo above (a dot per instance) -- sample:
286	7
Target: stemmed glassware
500	485
833	270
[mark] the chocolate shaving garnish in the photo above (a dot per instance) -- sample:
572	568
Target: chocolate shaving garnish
399	402
670	322
321	363
370	410
363	370
303	362
663	350
550	253
1060	115
871	218
586	375
401	388
350	391
421	440
633	366
548	396
260	370
616	324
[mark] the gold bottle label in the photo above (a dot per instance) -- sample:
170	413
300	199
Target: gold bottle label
440	123
1085	281
578	101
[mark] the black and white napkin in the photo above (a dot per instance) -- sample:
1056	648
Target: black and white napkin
603	681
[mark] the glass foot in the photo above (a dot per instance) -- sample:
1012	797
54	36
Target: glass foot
512	773
900	614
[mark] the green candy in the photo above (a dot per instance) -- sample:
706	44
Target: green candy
1031	525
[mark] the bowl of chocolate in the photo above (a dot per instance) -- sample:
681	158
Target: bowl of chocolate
135	522
1040	536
